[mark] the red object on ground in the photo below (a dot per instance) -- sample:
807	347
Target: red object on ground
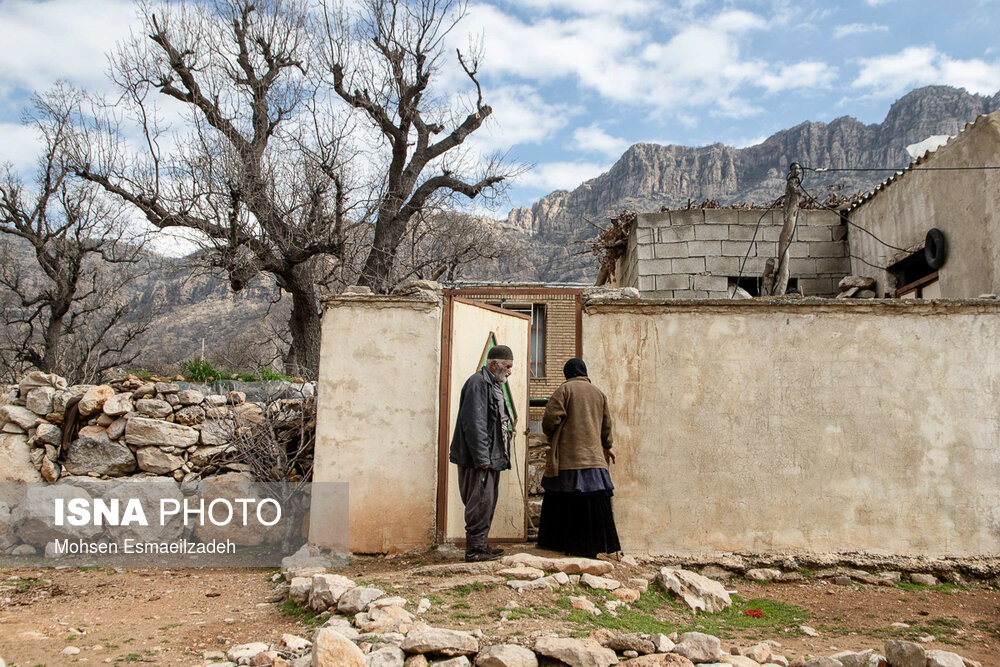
756	613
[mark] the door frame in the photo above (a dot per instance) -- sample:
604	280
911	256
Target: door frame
444	418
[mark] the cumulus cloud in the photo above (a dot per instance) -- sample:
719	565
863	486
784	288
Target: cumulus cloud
594	139
842	31
520	116
894	74
561	175
589	7
20	146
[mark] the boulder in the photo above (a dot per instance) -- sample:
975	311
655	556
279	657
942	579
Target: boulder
299	589
190	397
200	456
924	579
387	656
157	461
153	407
294	643
332	649
438	640
660	660
39	400
759	652
48	434
762	574
116	430
118	405
167	388
15	459
327	589
35	379
699	647
460	661
601	583
853	658
626	594
94	398
244	653
141	431
50	470
738	661
35	513
822	661
215	400
522	572
858	282
190	415
506	655
697	592
357	599
384	619
216	432
936	658
901	653
584	604
567	565
93	451
22	417
576	652
630	642
145	391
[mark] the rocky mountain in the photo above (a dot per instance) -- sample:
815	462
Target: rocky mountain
650	176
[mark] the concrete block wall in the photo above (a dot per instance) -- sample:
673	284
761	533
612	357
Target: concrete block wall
692	253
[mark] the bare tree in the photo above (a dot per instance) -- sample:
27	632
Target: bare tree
273	172
68	311
776	272
382	60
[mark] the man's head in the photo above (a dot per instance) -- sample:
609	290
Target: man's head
500	361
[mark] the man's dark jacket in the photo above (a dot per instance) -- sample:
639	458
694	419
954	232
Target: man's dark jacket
478	439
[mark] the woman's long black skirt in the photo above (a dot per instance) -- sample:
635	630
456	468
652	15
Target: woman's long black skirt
578	524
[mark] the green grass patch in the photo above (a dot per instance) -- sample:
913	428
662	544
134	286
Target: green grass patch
303	615
435	599
947	588
461	604
200	370
988	627
463	591
775	616
944	630
23	585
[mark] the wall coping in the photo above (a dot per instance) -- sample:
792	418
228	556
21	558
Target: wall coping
416	302
808	305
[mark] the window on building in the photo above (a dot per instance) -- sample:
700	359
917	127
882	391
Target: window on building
752	284
536	311
915	278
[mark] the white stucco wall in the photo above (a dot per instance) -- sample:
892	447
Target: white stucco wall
810	426
377	428
964	204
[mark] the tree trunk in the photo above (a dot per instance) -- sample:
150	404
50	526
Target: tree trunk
793	193
304	325
377	273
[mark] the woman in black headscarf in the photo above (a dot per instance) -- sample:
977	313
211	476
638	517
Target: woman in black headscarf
576	509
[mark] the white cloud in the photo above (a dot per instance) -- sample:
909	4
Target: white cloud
894	74
842	31
520	116
561	175
594	139
590	7
19	145
878	3
59	39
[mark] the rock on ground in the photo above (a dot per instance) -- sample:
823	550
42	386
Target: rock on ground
387	656
437	640
567	565
660	660
699	647
576	652
357	599
244	653
327	589
762	574
698	593
852	658
905	654
506	655
937	658
332	649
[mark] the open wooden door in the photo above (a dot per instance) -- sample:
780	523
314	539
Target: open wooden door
469	330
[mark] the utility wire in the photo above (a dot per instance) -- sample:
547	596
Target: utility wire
750	246
850	222
901	169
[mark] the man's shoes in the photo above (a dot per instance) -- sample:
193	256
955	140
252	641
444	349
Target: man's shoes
496	551
480	556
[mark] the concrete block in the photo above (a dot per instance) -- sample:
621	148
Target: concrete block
647	283
719	295
799	249
737	248
707	232
839	232
644	235
751	217
755	266
840	266
770	233
722	266
802	266
644	252
741	232
671	250
811	233
688	216
646	220
652	267
669	234
689	294
818	286
711	283
673	282
687	265
704	248
722	216
659	294
826	249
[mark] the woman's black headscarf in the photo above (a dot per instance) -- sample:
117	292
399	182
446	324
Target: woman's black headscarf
575	368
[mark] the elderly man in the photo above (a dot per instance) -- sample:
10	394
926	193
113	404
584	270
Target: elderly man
481	448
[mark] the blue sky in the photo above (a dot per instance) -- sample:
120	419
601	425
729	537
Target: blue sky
575	82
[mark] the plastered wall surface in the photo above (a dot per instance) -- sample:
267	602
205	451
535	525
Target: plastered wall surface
812	426
472	325
964	204
378	397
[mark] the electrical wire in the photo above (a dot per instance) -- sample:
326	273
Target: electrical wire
850	222
821	170
753	240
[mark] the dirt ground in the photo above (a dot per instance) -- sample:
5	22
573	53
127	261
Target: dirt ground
157	616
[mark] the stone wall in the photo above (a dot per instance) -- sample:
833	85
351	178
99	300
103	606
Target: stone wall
808	425
126	427
694	253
